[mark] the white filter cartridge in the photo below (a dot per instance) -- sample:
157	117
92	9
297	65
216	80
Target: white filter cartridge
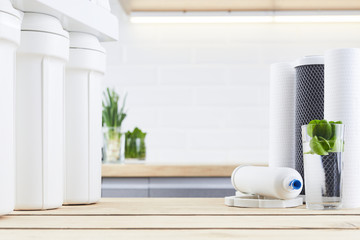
282	115
10	22
342	101
83	136
273	182
39	121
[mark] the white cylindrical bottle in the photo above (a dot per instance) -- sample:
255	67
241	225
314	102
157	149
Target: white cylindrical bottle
273	182
41	58
10	23
83	135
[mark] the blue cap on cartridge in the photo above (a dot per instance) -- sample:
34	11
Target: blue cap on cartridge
295	184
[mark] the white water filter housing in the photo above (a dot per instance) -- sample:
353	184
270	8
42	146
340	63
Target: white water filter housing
10	23
272	182
84	74
41	58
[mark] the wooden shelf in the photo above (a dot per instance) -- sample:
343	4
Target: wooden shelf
178	219
183	207
139	170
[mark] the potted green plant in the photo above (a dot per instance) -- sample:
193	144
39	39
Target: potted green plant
135	148
112	119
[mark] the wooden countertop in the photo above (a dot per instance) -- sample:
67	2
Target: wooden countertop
186	218
144	170
147	170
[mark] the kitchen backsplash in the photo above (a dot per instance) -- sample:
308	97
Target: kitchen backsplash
201	91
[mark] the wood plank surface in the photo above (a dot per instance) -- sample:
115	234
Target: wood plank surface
143	170
180	234
175	207
178	218
180	222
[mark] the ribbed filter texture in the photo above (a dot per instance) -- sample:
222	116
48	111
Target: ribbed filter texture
282	115
342	102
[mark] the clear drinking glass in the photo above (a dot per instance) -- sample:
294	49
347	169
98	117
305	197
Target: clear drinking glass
114	144
135	149
322	168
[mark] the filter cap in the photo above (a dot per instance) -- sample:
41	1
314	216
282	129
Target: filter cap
310	60
6	7
85	41
295	184
38	22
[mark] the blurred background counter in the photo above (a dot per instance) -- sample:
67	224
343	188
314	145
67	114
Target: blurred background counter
121	180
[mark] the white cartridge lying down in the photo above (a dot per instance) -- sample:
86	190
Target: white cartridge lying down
273	182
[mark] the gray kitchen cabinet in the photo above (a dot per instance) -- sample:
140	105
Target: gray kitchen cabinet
167	187
125	187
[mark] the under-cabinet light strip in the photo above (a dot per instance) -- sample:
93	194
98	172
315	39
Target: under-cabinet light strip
246	17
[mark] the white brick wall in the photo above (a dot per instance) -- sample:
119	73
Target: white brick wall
201	90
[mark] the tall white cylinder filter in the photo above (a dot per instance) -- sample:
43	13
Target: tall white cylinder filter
273	182
41	58
282	115
83	108
342	103
10	23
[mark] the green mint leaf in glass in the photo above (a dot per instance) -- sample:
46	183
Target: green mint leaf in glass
324	143
324	137
310	127
323	129
317	146
309	152
332	143
336	145
333	127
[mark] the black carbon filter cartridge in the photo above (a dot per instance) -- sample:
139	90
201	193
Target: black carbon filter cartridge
309	102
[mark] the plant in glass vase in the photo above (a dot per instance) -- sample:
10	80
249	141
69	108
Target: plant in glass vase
323	145
135	148
112	119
